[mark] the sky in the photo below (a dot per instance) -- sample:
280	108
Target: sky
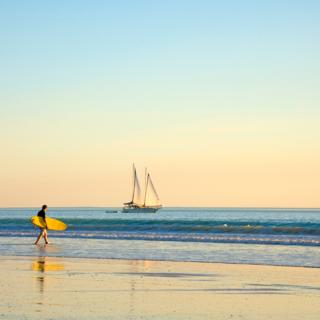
219	99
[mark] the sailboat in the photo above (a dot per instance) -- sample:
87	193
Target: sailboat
142	203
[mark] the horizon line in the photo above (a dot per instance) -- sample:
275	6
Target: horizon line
169	207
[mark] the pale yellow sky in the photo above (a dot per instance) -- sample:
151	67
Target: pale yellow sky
262	162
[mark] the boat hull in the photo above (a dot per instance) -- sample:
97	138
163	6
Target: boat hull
140	210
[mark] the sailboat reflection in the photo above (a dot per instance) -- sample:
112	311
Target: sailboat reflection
136	267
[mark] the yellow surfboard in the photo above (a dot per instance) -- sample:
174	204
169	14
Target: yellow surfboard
51	224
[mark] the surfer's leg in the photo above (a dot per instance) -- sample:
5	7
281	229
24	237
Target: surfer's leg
45	236
39	237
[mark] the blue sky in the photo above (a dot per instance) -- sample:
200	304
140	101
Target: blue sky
160	46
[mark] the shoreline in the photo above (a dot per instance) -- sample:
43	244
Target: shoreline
78	288
3	256
244	254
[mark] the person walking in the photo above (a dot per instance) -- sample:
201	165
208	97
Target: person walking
43	231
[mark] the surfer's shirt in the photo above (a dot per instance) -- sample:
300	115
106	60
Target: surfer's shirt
42	214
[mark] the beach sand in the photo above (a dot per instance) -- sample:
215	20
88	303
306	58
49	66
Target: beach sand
65	288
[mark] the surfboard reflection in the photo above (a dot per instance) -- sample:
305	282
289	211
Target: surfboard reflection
42	265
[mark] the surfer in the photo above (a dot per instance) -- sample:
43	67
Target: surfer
43	231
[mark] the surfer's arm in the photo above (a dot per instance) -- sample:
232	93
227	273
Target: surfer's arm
45	221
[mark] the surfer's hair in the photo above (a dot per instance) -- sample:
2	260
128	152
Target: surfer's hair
44	207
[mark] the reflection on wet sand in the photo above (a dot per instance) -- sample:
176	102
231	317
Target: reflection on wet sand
44	264
47	249
56	288
135	267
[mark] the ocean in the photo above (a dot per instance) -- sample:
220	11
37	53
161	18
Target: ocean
288	237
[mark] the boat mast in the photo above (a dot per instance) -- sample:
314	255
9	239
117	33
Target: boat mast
145	178
134	181
145	192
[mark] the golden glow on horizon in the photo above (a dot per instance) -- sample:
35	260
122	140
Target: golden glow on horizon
198	165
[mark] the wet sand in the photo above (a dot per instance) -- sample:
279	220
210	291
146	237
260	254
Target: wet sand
62	288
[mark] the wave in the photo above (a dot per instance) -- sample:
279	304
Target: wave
181	237
176	226
267	232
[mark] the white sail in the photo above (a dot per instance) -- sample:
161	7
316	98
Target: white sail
151	197
137	195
